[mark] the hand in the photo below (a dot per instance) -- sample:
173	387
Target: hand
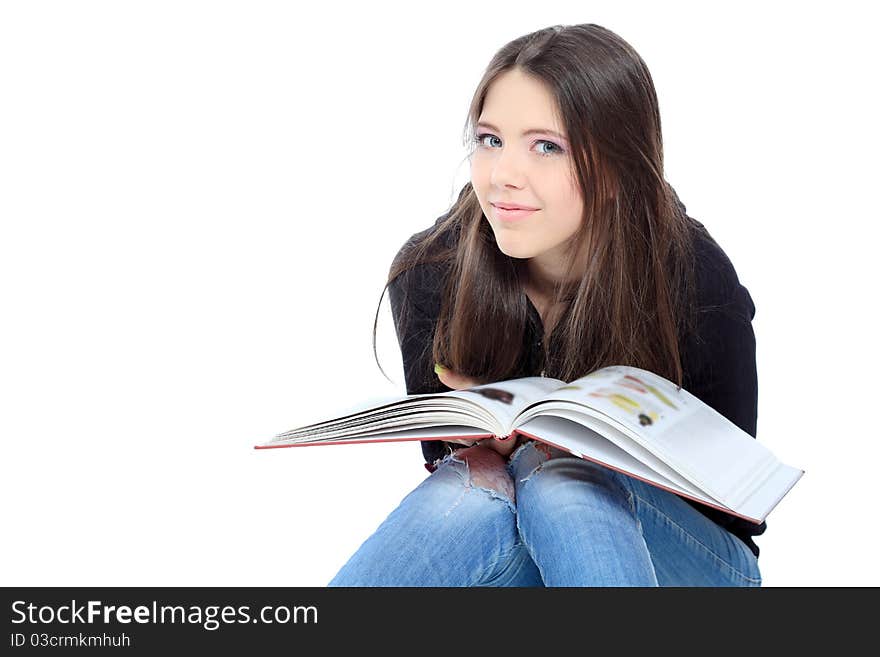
459	382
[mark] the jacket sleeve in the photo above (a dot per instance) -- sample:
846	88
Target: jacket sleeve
724	375
415	335
419	290
415	306
721	352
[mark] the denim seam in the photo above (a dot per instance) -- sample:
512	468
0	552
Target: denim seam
528	547
506	556
695	540
632	506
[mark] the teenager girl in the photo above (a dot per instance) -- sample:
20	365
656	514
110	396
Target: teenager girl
598	264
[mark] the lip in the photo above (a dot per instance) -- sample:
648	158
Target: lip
512	215
513	206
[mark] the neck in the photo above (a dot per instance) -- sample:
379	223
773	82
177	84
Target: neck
544	276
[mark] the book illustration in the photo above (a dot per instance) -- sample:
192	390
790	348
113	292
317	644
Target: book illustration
644	399
632	386
519	393
504	396
643	412
628	379
505	399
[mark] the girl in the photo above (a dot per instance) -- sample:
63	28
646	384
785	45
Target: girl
566	252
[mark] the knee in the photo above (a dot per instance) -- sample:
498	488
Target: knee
487	469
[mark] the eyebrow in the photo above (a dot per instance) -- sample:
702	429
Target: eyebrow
525	133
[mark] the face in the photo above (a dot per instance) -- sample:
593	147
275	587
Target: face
532	169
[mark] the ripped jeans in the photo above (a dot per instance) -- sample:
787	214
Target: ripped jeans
546	518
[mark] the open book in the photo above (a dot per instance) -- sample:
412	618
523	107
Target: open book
624	418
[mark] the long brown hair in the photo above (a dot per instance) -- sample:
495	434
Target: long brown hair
632	301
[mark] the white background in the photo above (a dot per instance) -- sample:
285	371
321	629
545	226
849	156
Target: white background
200	202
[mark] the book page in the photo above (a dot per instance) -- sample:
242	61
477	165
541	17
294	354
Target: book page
445	424
572	432
504	400
690	436
315	415
489	407
640	400
415	432
583	443
592	446
431	411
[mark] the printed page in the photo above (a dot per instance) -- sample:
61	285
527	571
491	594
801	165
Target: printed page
727	462
640	400
425	412
315	416
572	433
435	423
489	407
597	441
595	434
698	442
765	498
504	400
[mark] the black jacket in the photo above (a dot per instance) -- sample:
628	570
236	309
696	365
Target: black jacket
718	358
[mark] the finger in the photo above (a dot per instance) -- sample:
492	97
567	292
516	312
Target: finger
452	380
504	446
449	378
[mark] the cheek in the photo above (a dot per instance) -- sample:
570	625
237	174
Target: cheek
568	230
480	182
483	198
559	228
569	211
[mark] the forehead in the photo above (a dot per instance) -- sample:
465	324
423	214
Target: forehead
516	101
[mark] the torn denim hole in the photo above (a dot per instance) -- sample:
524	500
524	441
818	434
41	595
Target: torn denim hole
511	461
531	474
542	454
489	477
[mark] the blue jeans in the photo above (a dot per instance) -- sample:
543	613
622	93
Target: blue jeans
558	521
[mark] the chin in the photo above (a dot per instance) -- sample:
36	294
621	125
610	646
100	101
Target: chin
515	250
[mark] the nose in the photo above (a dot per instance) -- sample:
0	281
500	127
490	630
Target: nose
508	170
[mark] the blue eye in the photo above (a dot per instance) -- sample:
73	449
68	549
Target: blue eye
479	138
549	143
557	149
